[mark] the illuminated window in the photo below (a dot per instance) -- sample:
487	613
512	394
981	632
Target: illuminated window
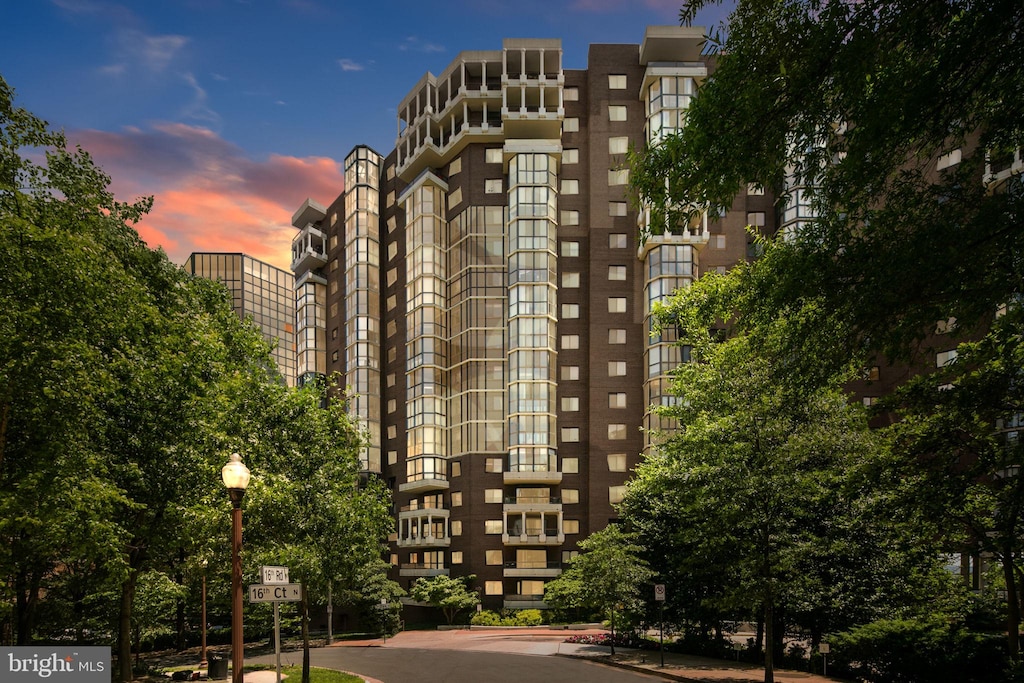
616	432
616	494
492	186
457	527
617	208
571	526
571	125
617	273
755	218
618	145
492	465
493	557
570	156
616	82
570	311
456	499
570	248
492	495
492	526
493	155
456	557
570	404
571	280
569	217
571	434
492	588
455	167
616	462
570	186
616	304
570	341
618	240
616	112
571	94
616	336
755	190
571	465
617	399
570	496
618	176
570	372
616	368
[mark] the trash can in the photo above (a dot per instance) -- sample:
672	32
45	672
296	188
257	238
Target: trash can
217	669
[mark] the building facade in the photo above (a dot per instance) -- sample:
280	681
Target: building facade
486	291
260	291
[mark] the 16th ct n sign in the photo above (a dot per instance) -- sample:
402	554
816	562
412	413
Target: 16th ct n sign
283	592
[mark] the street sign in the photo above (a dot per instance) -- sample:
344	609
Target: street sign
284	592
659	592
823	648
274	575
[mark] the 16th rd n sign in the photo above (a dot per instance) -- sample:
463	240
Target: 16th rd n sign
284	592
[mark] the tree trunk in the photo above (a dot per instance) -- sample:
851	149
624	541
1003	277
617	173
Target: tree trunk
124	626
1012	608
759	634
769	636
27	587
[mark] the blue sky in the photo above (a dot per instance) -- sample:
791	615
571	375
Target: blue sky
231	112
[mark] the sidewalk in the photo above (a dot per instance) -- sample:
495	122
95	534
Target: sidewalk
546	641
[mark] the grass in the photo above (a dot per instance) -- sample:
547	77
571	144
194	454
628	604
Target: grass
317	675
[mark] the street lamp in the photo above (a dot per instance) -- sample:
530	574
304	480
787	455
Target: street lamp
235	476
202	650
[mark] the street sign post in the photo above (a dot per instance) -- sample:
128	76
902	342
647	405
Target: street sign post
659	596
276	589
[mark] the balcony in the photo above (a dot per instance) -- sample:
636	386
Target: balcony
546	537
423	527
532	569
524	602
532	504
422	570
309	249
431	482
523	476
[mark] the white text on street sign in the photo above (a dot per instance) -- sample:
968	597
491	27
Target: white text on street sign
274	575
284	592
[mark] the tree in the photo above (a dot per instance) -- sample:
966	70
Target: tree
608	576
859	102
451	595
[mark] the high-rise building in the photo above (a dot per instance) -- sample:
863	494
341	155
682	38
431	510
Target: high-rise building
258	291
487	295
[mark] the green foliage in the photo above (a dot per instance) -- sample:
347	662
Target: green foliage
451	595
928	649
521	617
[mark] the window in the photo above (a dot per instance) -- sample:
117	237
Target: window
456	557
616	368
570	465
755	218
570	156
392	432
455	167
950	159
571	94
492	588
869	401
493	557
872	374
616	462
392	457
570	311
493	155
456	469
570	248
571	280
571	434
455	198
570	404
719	241
492	465
569	555
492	186
569	217
571	526
616	304
618	145
570	341
392	250
616	336
616	432
457	527
616	112
945	358
617	208
616	82
334	356
617	273
755	190
570	372
392	302
492	526
392	328
492	495
618	176
618	240
390	380
570	496
570	186
392	405
617	399
571	125
616	494
456	499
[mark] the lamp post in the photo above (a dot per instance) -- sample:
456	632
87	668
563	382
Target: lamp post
235	476
202	638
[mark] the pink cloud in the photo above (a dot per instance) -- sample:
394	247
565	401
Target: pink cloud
209	196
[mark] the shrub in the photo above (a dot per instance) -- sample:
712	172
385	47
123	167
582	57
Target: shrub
485	618
525	617
905	650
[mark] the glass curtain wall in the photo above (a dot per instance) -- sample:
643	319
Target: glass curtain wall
532	298
426	300
362	297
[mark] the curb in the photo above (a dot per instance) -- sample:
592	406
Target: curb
632	667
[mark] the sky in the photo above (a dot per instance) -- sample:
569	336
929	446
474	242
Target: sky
232	112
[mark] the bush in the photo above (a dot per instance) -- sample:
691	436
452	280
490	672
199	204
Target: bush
486	618
905	650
